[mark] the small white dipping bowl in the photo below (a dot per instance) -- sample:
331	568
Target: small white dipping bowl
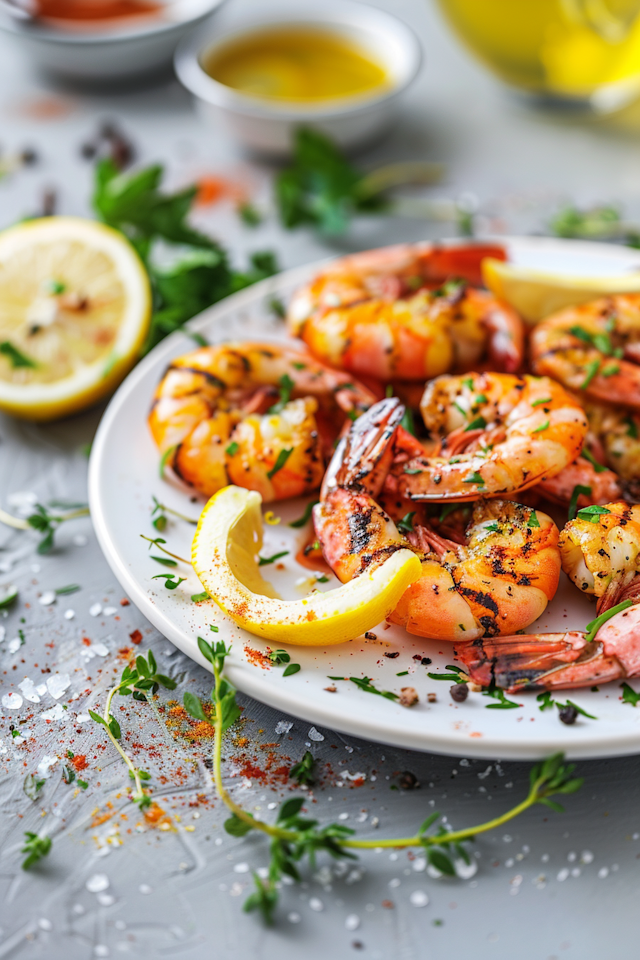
267	125
115	51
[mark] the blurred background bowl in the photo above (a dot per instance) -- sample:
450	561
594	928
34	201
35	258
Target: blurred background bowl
116	50
267	125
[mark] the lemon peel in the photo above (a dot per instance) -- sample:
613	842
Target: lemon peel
536	294
227	539
75	308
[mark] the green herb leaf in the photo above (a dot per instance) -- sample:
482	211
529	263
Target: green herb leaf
281	459
575	706
478	424
474	478
500	696
406	524
629	695
263	561
593	627
573	502
302	771
412	470
291	669
32	785
545	700
164	459
249	215
286	389
543	426
169	581
538	403
165	561
199	597
592	460
15	357
35	847
237	827
194	708
232	449
592	513
8	595
533	519
591	370
278	657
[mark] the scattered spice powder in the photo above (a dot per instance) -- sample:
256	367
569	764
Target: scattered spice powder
135	637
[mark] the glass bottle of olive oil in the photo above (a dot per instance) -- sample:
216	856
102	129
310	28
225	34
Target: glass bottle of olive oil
567	49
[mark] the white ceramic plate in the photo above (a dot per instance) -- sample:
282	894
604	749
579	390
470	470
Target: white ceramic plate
124	474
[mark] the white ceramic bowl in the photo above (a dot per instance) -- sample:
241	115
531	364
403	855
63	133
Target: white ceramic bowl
268	126
117	53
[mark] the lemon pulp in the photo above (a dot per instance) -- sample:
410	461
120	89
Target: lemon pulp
75	305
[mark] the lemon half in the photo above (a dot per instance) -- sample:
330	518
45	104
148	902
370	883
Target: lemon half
536	294
227	539
75	306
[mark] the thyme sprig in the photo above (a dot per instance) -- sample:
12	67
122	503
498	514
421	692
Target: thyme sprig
295	837
159	515
139	679
44	522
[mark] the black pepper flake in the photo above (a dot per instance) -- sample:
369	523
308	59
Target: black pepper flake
459	692
426	661
371	636
392	654
568	715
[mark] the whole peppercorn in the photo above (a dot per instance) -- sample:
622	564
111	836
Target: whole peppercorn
407	780
568	714
459	692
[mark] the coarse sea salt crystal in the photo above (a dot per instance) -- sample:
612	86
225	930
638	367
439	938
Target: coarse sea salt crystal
69	614
80	540
109	611
315	734
100	649
45	765
54	713
41	689
29	692
352	922
58	684
97	883
14	645
419	898
283	726
95	609
316	904
12	701
47	598
3	633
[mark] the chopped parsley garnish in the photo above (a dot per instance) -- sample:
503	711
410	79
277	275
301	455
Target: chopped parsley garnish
65	591
503	702
232	449
538	403
593	627
543	426
306	516
545	700
412	470
592	460
281	459
364	683
169	581
481	398
468	382
592	513
573	502
629	695
164	459
406	524
478	424
460	409
263	561
199	597
474	478
15	357
286	389
533	519
278	657
632	427
570	703
453	677
610	370
492	527
591	370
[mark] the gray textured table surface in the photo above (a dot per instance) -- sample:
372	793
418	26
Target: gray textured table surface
548	886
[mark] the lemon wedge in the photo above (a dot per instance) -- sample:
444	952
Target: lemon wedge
227	539
536	294
75	306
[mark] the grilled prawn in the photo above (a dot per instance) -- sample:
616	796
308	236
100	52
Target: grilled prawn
498	580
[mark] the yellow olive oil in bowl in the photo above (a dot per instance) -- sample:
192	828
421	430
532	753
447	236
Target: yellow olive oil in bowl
298	64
